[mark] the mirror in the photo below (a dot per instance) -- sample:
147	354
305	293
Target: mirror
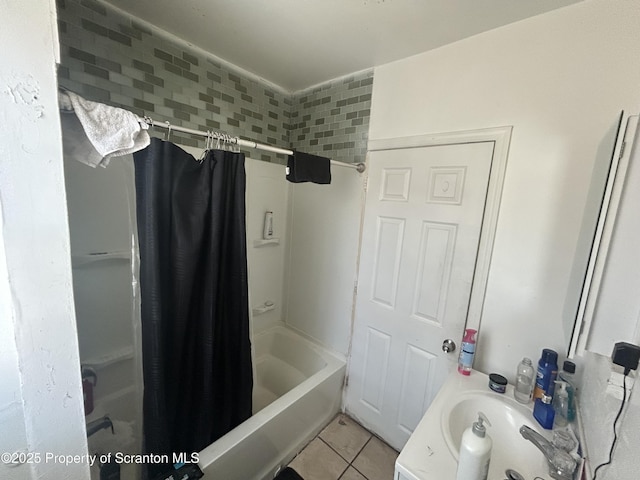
101	205
582	261
605	315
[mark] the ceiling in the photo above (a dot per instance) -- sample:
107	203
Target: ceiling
296	44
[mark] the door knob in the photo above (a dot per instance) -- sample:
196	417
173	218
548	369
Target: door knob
448	346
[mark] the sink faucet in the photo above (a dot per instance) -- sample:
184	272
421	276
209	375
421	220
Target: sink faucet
561	464
99	424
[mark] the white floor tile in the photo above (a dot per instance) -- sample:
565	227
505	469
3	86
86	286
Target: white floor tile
352	474
376	461
345	436
319	462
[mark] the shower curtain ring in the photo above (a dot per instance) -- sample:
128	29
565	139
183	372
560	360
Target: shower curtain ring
206	148
168	134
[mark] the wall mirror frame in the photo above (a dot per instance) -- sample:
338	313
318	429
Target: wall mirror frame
603	234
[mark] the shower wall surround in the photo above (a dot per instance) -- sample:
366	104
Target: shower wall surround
333	119
108	56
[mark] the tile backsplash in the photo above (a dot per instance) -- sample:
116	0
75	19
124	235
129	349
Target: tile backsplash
333	119
111	57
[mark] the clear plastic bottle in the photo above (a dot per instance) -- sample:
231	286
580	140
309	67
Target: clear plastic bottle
560	404
525	380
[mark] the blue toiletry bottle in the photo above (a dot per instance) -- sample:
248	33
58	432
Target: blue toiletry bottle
547	372
543	412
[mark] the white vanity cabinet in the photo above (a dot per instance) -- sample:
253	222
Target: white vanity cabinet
400	476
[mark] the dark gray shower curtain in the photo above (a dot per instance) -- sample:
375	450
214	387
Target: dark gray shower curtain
194	297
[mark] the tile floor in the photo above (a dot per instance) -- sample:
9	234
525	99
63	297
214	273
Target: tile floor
344	450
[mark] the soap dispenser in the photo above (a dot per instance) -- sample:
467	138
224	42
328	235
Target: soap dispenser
560	404
568	375
475	451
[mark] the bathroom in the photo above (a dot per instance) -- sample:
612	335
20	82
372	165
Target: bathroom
560	79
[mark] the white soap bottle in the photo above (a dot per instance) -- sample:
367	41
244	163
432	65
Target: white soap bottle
267	232
475	451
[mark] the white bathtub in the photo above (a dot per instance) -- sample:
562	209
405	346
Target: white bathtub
297	391
116	396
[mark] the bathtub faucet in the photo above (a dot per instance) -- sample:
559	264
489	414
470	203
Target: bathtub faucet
99	424
561	464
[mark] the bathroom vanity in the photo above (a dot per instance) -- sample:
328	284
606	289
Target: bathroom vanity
432	450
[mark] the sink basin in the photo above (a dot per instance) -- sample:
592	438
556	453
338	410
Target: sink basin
510	450
432	451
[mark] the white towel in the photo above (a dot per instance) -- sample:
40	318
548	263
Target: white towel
98	132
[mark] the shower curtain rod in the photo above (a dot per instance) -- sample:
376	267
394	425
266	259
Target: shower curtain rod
360	167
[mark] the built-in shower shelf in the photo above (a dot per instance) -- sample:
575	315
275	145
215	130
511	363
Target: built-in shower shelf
265	242
264	308
87	258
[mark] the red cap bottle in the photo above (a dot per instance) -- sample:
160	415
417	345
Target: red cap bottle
467	351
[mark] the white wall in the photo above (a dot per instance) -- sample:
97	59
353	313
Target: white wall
561	80
324	239
43	401
267	190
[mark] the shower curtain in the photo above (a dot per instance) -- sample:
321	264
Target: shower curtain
194	297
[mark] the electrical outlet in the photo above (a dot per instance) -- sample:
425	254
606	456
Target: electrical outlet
614	385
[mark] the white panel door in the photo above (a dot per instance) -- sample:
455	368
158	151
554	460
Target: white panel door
422	222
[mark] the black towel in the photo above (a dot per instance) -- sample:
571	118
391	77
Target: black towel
288	474
304	167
